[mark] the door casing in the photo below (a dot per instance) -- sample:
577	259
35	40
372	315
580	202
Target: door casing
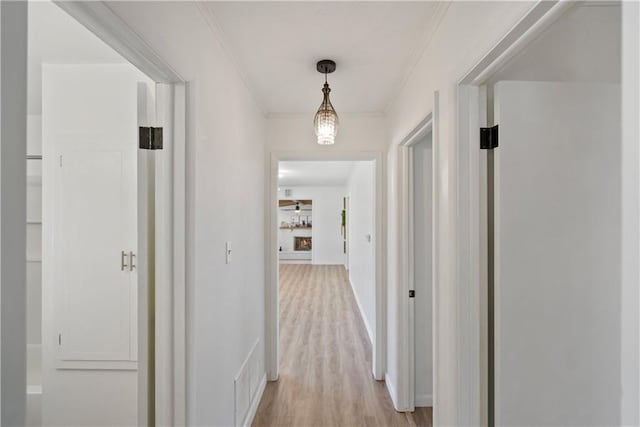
406	385
271	255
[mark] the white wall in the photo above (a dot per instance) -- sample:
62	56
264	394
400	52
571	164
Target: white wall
457	45
361	230
226	143
357	132
325	234
565	52
422	224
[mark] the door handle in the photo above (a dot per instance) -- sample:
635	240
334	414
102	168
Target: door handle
123	261
132	264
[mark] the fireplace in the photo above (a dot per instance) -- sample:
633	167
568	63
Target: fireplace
301	243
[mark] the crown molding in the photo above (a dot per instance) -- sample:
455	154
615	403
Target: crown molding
222	39
431	28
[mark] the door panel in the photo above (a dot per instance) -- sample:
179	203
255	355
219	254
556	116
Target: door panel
94	211
557	254
90	132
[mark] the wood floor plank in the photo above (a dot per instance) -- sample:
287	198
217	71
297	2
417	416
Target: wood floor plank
325	358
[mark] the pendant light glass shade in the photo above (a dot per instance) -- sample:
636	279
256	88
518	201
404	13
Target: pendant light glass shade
297	208
326	120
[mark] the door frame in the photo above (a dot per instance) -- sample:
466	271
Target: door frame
170	209
471	223
272	321
406	219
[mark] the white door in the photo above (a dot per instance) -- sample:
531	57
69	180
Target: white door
557	254
95	239
90	120
422	169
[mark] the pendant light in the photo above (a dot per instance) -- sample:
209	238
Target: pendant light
326	120
297	207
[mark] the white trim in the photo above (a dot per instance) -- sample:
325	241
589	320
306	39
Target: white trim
630	295
471	255
271	253
537	20
255	403
424	400
98	18
13	178
179	256
430	27
420	131
221	38
406	261
361	310
392	392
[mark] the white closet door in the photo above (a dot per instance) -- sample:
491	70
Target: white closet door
557	254
94	212
90	127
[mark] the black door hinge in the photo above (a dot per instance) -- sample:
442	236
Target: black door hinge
489	138
150	138
412	293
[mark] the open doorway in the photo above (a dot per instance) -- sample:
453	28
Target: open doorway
96	206
315	228
328	302
549	203
417	273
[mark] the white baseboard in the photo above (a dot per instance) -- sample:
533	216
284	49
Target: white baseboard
364	318
424	400
392	391
253	409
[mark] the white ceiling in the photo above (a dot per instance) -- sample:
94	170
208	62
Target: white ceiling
277	44
56	38
317	173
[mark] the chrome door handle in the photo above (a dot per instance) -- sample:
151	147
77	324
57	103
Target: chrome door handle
123	261
132	264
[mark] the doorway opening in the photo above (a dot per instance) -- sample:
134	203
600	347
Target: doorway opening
100	209
345	202
326	284
330	248
316	228
416	220
547	238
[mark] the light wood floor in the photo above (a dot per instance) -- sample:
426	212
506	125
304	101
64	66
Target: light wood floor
325	358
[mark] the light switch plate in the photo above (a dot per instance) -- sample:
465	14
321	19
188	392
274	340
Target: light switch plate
227	250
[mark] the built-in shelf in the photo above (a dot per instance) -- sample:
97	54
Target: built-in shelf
33	222
34	260
295	228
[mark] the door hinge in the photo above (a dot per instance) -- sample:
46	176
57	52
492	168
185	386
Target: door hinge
150	138
489	138
412	293
59	339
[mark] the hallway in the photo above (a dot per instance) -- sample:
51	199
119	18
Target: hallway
325	366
